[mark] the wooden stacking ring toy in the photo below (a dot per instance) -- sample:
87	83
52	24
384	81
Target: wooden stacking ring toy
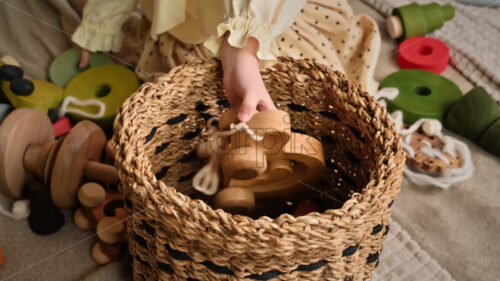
109	84
45	95
422	94
27	145
66	66
423	53
277	165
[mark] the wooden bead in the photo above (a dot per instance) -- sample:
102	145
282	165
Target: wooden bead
99	256
394	26
112	206
81	221
110	230
91	194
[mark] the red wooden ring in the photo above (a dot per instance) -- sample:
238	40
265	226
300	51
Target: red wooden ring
61	127
423	53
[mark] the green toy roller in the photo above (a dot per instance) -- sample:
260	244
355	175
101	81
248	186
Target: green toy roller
472	114
418	20
422	94
97	93
490	140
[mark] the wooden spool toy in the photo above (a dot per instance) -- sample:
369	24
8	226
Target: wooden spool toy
277	165
27	146
96	204
110	85
422	94
418	20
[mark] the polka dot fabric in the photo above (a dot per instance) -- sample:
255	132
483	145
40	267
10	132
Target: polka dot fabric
326	31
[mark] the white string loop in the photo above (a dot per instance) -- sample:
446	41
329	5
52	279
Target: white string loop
63	109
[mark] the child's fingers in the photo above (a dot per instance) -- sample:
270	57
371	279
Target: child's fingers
247	108
84	58
266	104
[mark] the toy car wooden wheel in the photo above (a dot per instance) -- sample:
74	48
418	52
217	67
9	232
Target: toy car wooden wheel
84	143
22	128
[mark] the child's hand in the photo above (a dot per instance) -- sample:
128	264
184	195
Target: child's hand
84	58
242	80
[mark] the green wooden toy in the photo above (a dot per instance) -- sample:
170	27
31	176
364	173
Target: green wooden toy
109	85
45	95
422	94
418	20
65	66
472	114
490	140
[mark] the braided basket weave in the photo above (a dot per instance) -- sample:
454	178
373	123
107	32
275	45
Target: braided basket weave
174	237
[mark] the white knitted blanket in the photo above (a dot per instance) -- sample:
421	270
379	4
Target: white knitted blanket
473	37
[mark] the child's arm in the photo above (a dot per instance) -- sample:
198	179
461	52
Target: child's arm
247	35
100	29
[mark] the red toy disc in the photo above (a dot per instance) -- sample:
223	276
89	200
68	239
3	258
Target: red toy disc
423	53
61	127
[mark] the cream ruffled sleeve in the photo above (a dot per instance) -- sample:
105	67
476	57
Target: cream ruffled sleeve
262	19
100	29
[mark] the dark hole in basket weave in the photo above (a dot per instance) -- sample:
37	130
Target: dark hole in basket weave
390	204
310	267
330	164
191	135
386	230
151	135
266	275
178	119
162	147
356	133
349	251
217	268
376	265
223	103
327	139
128	203
162	172
372	258
352	158
140	240
376	229
207	116
351	278
200	106
329	115
146	264
186	177
165	267
192	279
297	107
188	157
298	131
178	255
149	229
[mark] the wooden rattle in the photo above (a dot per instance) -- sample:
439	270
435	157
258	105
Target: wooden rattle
111	237
27	145
263	160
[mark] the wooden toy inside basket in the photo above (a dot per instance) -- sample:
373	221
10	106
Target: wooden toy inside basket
175	237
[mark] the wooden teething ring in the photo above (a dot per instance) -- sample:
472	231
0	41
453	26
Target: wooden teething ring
277	165
27	145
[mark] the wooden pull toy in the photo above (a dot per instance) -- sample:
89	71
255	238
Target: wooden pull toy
418	20
111	237
263	159
27	145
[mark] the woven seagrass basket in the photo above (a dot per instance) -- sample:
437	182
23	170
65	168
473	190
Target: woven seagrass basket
174	237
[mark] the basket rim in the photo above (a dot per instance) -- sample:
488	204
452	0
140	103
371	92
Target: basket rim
153	193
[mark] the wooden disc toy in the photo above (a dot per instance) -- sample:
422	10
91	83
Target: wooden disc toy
422	94
45	95
109	84
27	145
423	53
65	66
277	164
